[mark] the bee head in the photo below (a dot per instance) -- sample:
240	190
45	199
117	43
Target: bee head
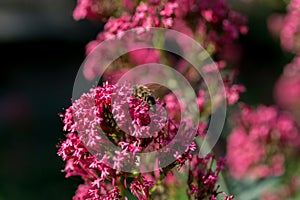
134	90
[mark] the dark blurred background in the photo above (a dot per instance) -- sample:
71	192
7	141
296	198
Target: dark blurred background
41	49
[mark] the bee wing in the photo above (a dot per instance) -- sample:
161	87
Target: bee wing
158	90
153	86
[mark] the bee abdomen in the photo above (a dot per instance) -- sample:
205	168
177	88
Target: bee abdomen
144	93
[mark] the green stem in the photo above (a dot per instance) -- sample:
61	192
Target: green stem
121	187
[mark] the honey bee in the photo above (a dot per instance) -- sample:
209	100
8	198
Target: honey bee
145	94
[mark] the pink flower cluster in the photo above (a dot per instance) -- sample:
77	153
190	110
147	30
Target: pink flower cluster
213	22
86	9
233	93
174	108
291	26
101	10
260	141
109	127
203	179
287	89
145	17
287	27
122	122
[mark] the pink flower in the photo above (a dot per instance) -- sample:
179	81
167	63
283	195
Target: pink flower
203	179
97	10
259	141
124	122
210	16
129	5
287	89
86	9
113	115
140	187
144	56
291	27
275	23
173	107
81	192
233	93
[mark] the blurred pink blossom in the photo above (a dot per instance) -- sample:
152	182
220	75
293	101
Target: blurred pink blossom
144	55
213	23
291	26
233	93
203	178
259	141
287	88
275	23
86	9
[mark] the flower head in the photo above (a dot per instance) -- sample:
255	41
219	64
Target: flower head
203	179
107	128
257	145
